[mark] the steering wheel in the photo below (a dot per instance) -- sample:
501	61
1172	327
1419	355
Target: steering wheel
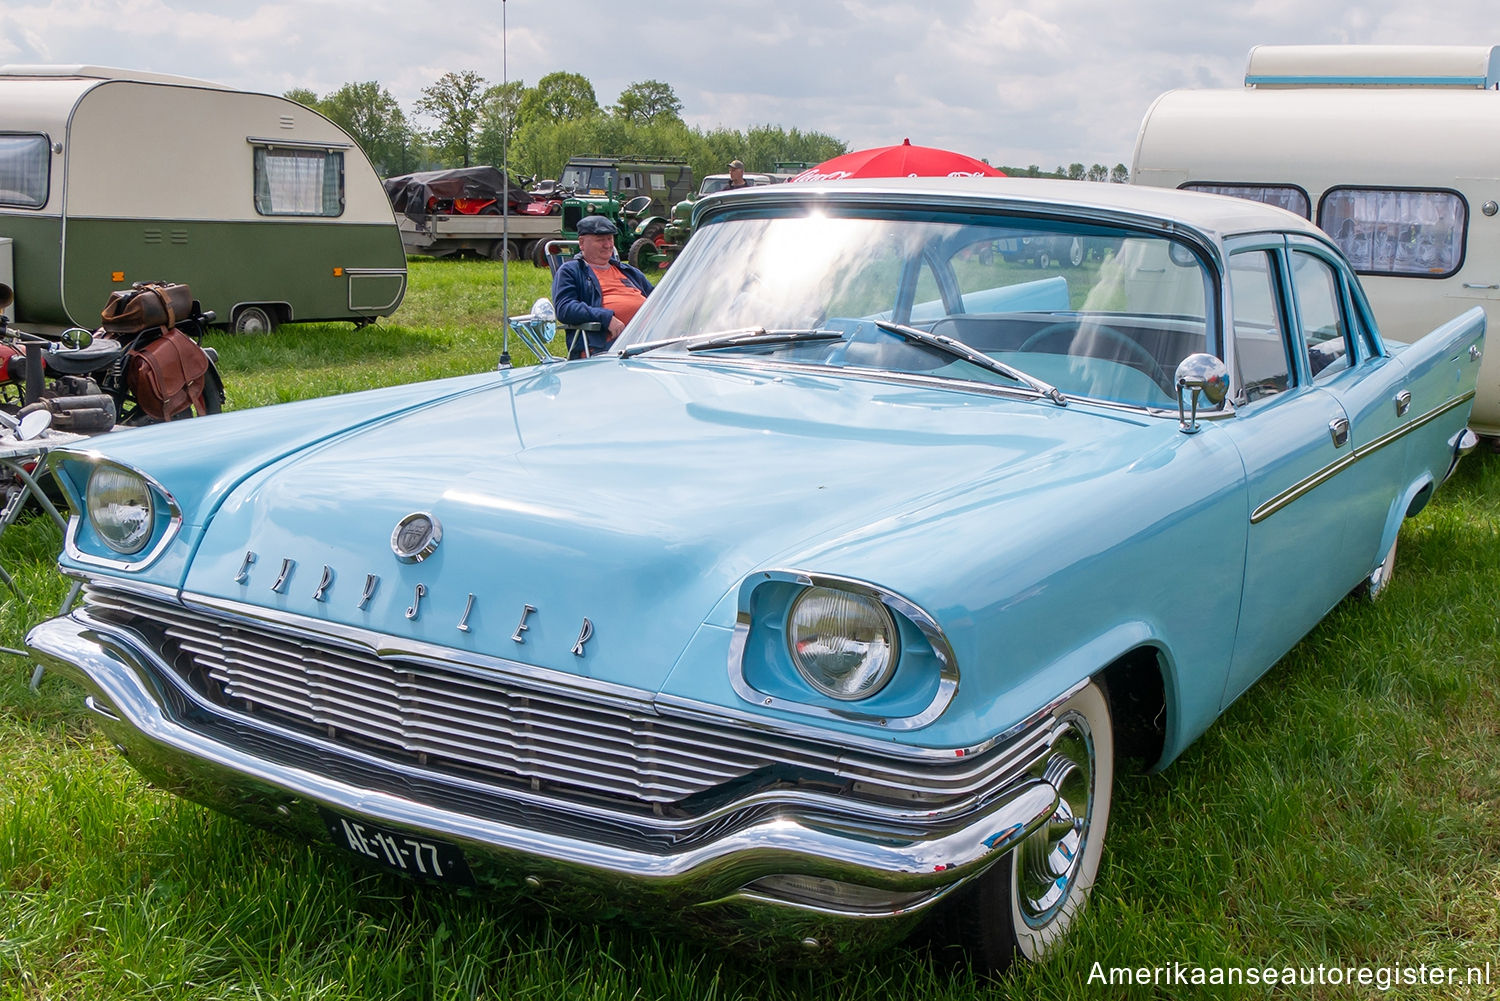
1143	359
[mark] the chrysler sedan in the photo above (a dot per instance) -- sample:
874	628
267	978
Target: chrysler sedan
824	602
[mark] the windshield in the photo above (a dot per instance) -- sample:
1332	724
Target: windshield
1097	312
586	178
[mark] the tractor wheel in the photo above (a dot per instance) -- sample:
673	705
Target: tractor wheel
643	254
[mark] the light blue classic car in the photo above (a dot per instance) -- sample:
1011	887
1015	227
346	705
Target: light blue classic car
825	601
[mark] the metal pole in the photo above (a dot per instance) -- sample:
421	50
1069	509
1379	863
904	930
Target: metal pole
504	204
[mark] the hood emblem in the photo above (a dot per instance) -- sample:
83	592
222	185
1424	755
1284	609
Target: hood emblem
416	537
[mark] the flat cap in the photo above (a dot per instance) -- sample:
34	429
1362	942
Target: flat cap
736	165
596	225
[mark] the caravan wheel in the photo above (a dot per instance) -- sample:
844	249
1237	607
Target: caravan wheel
253	320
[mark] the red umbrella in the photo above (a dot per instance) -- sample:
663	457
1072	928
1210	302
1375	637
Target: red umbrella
905	160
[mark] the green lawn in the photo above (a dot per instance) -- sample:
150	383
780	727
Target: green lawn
1345	812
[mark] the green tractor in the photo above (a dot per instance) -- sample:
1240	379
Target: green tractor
633	193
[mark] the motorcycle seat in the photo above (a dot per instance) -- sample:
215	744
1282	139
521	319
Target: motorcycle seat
82	361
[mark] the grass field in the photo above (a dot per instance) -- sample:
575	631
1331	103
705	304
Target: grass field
1344	813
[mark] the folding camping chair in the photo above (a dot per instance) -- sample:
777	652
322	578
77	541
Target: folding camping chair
558	253
23	461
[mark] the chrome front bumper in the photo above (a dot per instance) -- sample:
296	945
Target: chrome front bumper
851	885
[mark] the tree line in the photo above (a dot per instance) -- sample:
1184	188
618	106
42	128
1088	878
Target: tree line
535	129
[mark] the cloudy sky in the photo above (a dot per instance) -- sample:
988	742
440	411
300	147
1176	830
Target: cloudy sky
1014	81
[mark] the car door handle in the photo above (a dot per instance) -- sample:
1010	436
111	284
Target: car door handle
1338	428
1481	285
1403	402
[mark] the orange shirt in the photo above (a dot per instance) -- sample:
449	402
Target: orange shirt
620	297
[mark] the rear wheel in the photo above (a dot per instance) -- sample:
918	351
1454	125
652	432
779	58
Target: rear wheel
1026	903
1043	259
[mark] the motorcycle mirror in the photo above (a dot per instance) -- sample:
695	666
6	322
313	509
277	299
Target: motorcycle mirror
34	424
7	296
77	337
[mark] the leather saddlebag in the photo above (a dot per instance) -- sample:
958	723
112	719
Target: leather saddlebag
131	311
167	376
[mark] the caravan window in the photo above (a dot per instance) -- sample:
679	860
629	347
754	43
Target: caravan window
1397	231
24	160
1283	196
299	181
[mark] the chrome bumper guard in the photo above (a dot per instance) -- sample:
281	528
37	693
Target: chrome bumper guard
796	881
1462	444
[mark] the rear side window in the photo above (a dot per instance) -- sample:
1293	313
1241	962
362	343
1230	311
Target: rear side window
24	162
1397	231
299	181
1321	312
1283	196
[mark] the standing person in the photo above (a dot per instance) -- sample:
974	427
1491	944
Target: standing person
737	175
597	287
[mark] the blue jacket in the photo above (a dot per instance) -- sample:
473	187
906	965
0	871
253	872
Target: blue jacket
578	299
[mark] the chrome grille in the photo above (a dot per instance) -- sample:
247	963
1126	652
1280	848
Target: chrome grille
444	717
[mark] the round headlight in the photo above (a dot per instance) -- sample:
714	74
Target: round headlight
842	643
120	508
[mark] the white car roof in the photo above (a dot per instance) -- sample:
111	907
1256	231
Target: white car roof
1217	215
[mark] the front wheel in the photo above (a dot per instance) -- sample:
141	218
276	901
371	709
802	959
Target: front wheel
1026	903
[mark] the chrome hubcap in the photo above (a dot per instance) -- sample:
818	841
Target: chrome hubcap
1050	859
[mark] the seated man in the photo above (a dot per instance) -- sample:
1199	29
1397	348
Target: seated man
597	287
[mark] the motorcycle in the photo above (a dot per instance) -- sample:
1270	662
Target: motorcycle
144	365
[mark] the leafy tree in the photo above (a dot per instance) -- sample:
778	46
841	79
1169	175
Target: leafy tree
1076	172
1119	174
1098	172
454	101
558	97
369	113
647	101
304	97
499	117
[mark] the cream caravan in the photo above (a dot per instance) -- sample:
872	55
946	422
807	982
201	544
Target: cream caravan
268	210
1393	150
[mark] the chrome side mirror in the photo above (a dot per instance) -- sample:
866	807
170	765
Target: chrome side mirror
77	337
28	427
7	296
1204	375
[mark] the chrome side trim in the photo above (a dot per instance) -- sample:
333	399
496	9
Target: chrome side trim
1308	484
948	672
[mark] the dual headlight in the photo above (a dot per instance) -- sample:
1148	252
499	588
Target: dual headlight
844	644
120	508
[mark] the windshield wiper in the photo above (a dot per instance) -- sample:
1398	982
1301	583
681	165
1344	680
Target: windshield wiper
733	339
760	335
960	350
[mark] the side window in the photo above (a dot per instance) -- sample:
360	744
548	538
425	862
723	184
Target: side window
1260	354
658	182
1283	196
1386	231
24	162
299	181
1321	314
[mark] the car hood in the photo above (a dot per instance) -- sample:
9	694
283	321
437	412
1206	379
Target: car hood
619	502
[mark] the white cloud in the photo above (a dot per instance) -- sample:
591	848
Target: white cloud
1017	81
